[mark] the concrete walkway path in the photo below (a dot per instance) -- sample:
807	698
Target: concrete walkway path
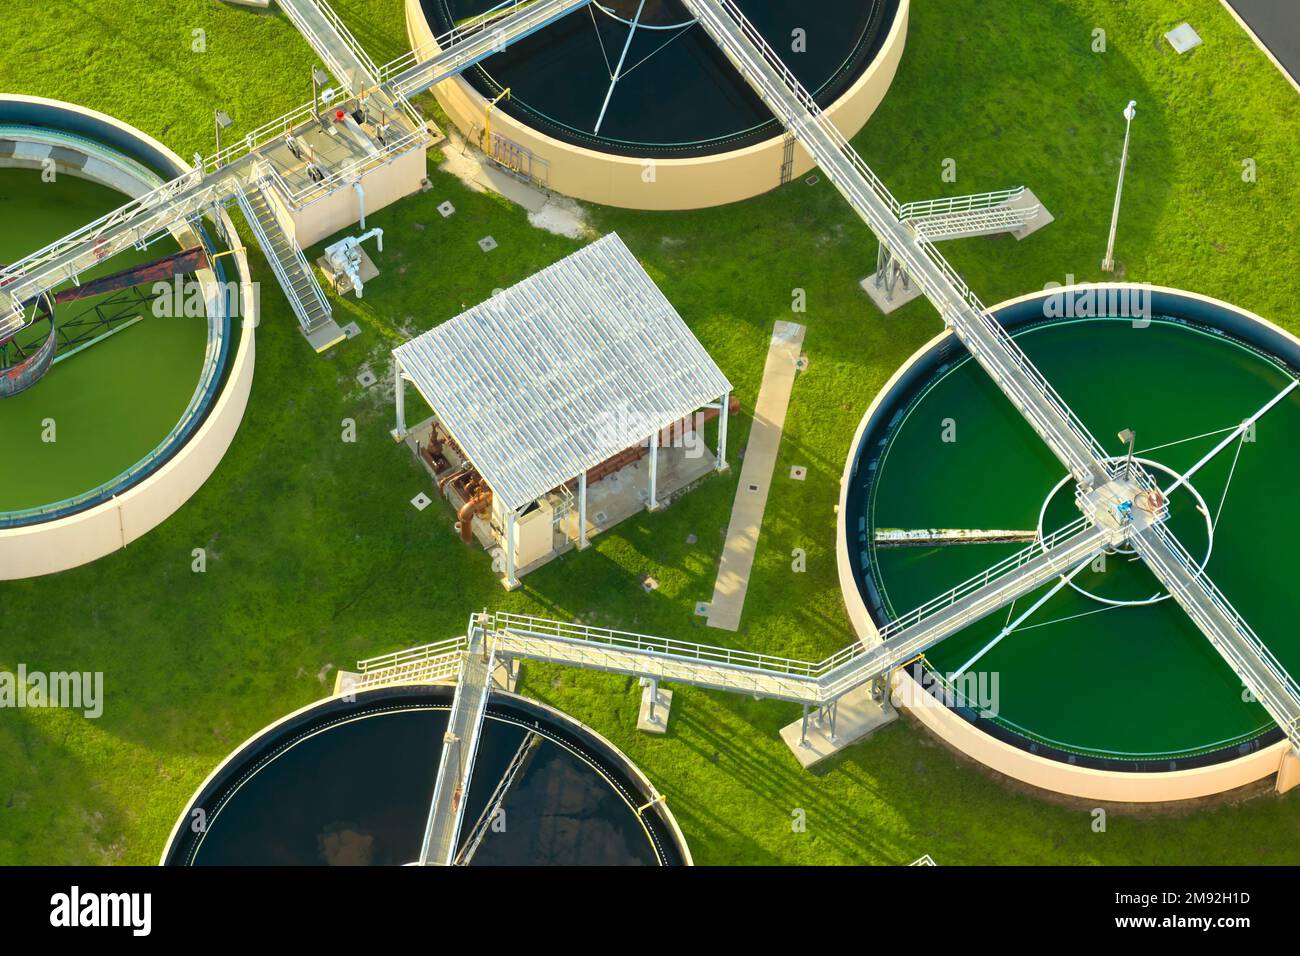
756	476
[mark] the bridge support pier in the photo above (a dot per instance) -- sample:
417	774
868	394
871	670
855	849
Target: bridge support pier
1288	773
822	732
655	707
889	287
505	674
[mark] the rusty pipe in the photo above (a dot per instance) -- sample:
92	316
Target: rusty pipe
479	503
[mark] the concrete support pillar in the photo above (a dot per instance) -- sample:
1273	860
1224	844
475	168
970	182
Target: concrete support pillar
512	582
399	392
582	511
653	504
722	431
1288	773
656	706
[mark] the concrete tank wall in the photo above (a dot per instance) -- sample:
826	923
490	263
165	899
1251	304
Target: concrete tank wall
1055	775
77	539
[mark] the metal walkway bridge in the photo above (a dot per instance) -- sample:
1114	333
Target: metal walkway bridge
332	41
960	308
820	683
222	178
999	355
1227	630
459	749
908	233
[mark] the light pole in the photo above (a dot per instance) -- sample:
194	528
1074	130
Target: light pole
1130	436
223	121
1108	264
318	79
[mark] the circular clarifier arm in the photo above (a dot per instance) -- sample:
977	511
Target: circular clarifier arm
1185	476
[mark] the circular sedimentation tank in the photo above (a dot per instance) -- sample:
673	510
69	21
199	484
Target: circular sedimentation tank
350	782
678	105
1109	689
138	372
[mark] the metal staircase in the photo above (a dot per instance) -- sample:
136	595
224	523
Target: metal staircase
960	217
222	178
1227	630
291	268
419	665
459	749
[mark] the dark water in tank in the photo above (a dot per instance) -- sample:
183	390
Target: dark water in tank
354	789
677	95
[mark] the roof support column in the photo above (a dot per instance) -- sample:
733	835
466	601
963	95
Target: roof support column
399	392
723	408
653	504
582	511
511	582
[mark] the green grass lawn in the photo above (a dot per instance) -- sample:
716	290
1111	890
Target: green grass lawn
316	558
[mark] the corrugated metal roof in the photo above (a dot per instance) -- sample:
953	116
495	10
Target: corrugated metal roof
554	375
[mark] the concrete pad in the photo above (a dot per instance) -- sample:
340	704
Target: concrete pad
857	716
663	704
1183	38
499	181
562	217
503	678
344	681
1044	218
756	472
325	337
888	303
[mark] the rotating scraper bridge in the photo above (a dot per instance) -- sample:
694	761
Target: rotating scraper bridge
1103	486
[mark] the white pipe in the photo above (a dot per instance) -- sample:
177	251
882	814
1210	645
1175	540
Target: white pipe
618	70
361	204
1182	479
1055	588
375	233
